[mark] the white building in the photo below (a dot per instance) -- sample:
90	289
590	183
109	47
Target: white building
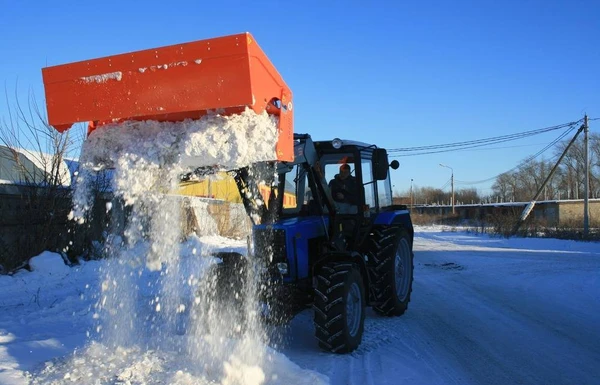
20	166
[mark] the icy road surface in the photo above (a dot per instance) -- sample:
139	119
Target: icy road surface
484	311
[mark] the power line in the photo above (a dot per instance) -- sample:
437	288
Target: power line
528	159
503	147
487	140
439	148
446	184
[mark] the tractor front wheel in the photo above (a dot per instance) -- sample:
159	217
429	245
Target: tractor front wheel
339	307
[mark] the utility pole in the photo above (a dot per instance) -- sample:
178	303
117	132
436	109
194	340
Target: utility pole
586	212
531	204
451	184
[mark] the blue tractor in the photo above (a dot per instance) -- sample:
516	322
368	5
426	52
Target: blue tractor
328	237
336	245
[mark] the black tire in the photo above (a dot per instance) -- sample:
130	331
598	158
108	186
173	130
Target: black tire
277	299
226	292
393	271
336	284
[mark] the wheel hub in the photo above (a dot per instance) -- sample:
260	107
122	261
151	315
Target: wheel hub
353	309
401	266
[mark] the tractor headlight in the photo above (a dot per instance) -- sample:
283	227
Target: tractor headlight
336	143
283	268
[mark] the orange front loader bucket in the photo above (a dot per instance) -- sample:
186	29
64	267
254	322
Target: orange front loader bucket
172	83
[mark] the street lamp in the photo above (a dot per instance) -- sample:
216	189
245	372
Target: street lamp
411	194
452	184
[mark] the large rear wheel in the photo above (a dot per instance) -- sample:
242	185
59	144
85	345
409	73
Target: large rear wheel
394	266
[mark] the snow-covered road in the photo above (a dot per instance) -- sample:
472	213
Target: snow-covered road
484	311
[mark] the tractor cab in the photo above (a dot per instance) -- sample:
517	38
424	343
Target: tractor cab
365	189
345	182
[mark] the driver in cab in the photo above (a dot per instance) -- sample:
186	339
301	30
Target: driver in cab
343	190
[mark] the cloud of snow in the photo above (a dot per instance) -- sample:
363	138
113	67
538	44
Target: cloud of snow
155	299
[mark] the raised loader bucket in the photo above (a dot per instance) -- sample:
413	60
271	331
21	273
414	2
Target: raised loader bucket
171	83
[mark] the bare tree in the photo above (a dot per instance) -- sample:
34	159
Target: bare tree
467	196
594	151
530	178
505	187
429	195
567	183
33	157
572	169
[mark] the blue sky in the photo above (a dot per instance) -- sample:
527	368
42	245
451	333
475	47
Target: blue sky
395	73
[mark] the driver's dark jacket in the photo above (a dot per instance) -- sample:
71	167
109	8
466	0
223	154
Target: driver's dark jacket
346	186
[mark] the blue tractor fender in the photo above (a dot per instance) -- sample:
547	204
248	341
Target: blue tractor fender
400	218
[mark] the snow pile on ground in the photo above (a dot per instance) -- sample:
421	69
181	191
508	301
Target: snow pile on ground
102	365
51	263
49	321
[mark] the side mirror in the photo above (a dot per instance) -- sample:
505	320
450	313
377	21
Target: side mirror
380	164
395	164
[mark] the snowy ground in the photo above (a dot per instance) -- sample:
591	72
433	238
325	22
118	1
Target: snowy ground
484	311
